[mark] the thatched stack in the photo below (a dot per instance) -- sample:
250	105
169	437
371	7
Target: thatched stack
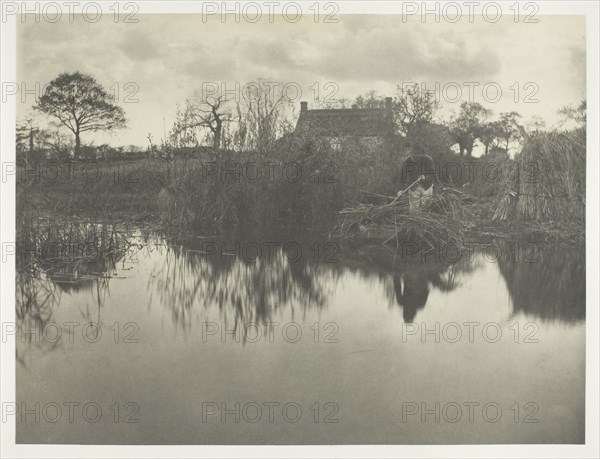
548	183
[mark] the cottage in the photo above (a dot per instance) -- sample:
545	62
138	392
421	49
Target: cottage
371	128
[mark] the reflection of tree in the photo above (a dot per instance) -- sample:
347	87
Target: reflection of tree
244	290
191	284
546	281
35	300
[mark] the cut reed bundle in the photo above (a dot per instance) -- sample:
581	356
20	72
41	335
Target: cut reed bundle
549	183
443	219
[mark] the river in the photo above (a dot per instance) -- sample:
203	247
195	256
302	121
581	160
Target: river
296	339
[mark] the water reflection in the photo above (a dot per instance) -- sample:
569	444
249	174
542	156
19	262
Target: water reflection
409	280
547	282
169	287
55	258
197	274
412	291
194	277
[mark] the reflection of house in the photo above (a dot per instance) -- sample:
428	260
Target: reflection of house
369	127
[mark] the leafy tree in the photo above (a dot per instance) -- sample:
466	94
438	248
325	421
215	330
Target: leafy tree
466	127
411	106
369	100
509	129
81	104
488	135
429	139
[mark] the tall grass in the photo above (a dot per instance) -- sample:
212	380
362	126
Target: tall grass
296	182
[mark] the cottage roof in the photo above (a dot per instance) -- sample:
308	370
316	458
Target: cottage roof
355	122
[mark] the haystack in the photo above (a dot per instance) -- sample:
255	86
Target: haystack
548	180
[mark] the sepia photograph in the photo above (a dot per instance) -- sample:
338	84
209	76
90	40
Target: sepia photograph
370	226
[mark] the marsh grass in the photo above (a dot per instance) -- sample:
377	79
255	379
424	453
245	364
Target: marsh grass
304	184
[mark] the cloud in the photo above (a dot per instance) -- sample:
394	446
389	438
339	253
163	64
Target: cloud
169	57
398	53
577	66
141	45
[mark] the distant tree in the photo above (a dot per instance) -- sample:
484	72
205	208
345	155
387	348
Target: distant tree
535	124
414	105
488	135
33	141
509	129
466	127
26	134
342	102
431	139
411	106
369	100
575	113
56	143
81	104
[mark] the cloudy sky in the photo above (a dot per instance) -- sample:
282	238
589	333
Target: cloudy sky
169	57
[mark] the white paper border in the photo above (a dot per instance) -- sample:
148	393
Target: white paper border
9	449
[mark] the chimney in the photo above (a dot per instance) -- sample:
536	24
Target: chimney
388	103
303	106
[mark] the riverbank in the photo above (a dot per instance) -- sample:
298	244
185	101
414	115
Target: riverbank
308	186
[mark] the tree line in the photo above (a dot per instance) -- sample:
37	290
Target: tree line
77	102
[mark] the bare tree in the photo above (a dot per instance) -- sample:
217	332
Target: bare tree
412	106
266	116
212	113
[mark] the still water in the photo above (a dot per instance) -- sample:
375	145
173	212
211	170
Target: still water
295	340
